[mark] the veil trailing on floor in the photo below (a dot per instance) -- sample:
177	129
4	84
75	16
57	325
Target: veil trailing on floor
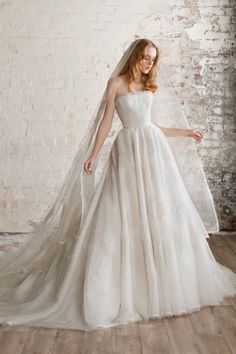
49	247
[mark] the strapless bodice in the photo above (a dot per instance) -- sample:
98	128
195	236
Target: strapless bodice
134	108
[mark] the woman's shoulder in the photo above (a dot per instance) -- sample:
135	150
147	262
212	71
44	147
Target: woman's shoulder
116	83
112	85
117	80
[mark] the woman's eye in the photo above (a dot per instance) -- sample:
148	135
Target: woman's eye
146	58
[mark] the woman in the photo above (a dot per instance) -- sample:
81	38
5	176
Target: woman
120	85
134	247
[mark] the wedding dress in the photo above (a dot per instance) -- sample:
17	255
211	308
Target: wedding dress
141	253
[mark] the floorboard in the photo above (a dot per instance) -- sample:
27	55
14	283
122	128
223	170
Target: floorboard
212	330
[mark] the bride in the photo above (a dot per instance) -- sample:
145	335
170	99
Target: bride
127	244
119	86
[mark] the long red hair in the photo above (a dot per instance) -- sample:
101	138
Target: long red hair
131	67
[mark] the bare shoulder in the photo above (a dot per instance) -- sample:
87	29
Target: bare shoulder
112	84
121	79
116	84
116	80
119	83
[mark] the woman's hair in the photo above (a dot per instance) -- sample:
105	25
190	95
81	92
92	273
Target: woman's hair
131	66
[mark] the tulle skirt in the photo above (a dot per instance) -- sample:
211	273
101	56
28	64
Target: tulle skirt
142	252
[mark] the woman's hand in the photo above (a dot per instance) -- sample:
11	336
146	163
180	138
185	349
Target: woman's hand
88	165
196	134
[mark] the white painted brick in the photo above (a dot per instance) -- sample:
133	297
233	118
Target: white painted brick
217	110
207	3
215	35
27	108
229	11
223	3
210	11
4	83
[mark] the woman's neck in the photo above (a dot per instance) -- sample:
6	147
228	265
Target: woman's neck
138	79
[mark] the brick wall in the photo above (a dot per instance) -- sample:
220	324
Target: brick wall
55	57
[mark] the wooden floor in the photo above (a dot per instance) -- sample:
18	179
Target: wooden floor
211	330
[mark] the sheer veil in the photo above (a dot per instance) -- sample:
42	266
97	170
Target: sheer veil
56	236
70	207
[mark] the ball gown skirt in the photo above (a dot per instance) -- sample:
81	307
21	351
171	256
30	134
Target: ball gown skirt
142	251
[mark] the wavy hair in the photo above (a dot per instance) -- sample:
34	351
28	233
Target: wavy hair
131	66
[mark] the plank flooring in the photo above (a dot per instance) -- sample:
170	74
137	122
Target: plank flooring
212	330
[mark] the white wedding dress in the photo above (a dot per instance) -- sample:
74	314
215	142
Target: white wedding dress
142	251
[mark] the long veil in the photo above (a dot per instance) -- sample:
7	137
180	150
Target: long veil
40	268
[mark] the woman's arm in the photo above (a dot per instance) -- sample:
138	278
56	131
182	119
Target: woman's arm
172	132
189	133
105	124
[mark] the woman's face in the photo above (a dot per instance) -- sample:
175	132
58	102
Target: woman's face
147	62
